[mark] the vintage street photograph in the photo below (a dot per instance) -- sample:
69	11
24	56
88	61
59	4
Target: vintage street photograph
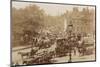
51	33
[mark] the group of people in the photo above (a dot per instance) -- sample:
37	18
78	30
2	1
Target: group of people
71	42
64	45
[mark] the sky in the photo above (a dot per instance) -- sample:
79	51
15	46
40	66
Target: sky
51	9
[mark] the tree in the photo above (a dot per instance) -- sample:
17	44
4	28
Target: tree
29	18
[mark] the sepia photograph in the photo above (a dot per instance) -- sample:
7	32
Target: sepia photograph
52	33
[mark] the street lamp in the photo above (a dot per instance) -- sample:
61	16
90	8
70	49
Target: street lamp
70	28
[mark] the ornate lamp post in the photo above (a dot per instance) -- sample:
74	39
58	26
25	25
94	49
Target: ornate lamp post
70	28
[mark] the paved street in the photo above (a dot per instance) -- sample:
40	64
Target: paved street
17	57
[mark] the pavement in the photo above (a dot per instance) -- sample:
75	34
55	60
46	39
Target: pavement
17	59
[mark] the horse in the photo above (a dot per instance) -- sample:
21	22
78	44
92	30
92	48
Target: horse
81	47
